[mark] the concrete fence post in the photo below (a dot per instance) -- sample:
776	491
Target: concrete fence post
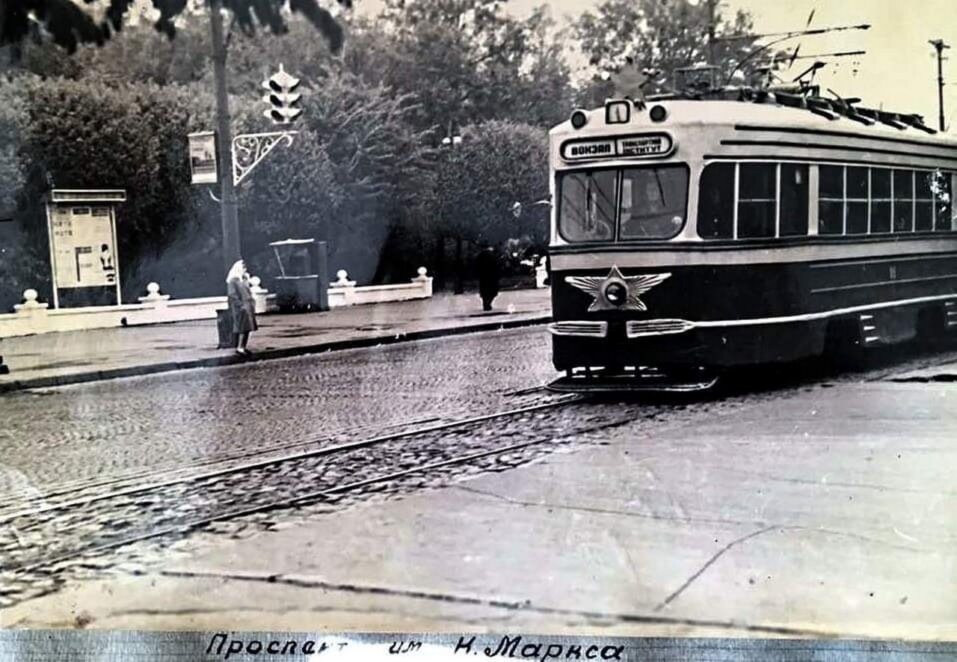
342	280
424	281
260	294
32	311
541	274
153	296
344	287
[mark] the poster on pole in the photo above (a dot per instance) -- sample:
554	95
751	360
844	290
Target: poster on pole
83	246
202	157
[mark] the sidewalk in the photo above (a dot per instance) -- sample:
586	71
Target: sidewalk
56	359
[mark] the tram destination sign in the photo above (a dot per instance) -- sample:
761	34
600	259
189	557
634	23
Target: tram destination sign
642	146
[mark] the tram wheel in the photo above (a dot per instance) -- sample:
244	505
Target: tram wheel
932	326
843	344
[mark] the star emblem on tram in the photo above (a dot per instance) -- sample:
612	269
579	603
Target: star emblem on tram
616	291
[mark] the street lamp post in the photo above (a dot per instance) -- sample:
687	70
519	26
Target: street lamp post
939	45
450	141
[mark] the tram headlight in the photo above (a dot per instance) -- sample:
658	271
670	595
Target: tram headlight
616	293
658	113
579	119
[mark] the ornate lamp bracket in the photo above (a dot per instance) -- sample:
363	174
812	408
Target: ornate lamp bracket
251	148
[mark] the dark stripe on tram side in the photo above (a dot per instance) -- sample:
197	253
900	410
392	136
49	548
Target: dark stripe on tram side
836	148
883	283
857	261
843	134
709	245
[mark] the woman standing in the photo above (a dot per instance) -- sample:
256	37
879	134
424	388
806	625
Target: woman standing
242	305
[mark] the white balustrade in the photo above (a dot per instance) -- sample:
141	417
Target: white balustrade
33	317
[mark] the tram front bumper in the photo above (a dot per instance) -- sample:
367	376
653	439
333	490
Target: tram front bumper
617	345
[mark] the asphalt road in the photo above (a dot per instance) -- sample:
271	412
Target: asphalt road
797	500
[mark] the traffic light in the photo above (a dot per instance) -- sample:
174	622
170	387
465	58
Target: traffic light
283	100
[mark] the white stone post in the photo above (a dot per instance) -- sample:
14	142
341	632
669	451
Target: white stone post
260	294
33	312
424	281
153	296
541	274
343	288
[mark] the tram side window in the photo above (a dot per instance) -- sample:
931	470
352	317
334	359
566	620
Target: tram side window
587	206
903	200
942	200
858	192
793	209
831	200
880	200
716	202
923	201
757	199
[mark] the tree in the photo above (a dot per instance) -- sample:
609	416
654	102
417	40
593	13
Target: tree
662	36
357	168
13	123
69	24
496	164
480	63
91	134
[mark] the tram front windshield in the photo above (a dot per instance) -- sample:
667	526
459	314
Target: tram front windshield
623	203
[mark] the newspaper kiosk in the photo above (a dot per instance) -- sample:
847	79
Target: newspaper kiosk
303	280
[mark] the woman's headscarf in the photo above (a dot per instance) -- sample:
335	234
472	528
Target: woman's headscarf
236	272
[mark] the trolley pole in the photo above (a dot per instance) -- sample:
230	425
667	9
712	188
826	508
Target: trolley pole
229	206
939	45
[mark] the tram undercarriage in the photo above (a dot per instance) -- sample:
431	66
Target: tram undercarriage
694	361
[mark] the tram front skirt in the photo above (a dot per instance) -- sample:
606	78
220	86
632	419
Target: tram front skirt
637	379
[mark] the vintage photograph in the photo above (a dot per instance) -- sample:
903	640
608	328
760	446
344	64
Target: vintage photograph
619	318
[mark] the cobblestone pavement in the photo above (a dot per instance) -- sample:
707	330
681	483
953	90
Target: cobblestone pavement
59	440
65	439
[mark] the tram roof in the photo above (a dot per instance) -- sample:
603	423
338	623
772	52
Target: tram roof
769	116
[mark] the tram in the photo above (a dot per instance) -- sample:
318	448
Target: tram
692	233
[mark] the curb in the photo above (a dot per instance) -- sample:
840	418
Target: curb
266	355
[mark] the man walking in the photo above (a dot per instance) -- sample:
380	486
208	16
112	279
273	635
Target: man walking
488	274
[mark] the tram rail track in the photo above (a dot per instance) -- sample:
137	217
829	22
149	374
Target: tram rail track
103	523
226	463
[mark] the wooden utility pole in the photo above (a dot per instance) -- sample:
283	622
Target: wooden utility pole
939	45
229	205
712	28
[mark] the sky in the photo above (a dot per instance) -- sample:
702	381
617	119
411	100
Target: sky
899	70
